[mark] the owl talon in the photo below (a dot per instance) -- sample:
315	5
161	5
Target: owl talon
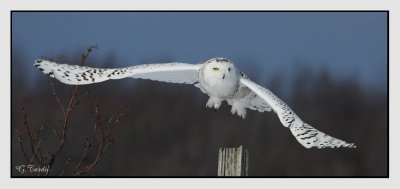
239	109
213	103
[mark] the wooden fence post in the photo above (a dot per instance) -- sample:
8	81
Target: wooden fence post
233	162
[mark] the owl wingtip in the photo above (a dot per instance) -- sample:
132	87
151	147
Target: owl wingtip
352	145
37	62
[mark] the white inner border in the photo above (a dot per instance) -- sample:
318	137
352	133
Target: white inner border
8	5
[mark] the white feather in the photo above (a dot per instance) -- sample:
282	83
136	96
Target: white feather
305	134
217	77
82	75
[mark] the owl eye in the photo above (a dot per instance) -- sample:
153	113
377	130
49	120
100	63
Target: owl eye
215	69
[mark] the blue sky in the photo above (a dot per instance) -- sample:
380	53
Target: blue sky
348	44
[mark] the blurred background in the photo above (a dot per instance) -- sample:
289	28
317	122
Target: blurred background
330	67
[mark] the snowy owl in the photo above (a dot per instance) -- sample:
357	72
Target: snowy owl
218	78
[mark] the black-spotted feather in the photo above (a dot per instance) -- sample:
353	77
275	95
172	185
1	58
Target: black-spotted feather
305	134
82	75
250	94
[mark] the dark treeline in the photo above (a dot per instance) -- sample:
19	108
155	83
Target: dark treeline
169	131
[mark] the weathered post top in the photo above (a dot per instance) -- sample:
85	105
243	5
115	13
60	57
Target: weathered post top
233	162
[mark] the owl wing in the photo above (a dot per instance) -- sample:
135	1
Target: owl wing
305	134
251	100
82	75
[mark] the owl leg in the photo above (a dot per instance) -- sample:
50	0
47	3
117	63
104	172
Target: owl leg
238	108
214	103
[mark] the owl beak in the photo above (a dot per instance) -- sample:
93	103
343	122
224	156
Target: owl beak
223	77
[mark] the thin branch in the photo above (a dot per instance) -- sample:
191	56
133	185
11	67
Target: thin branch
80	98
102	148
38	139
104	139
28	162
53	86
83	158
71	105
31	139
54	130
100	135
97	121
65	167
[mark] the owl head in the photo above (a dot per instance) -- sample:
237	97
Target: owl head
220	69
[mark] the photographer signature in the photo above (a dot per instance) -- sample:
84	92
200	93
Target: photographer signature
22	169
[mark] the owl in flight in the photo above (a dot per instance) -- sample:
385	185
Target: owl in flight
218	78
